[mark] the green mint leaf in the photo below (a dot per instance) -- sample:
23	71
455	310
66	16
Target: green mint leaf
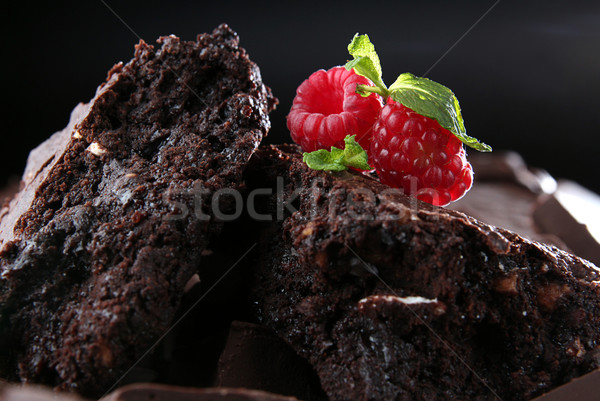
434	100
361	46
366	62
323	159
353	155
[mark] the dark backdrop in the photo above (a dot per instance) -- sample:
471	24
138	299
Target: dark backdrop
527	75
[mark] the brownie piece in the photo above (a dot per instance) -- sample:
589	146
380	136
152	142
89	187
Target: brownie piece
390	298
98	246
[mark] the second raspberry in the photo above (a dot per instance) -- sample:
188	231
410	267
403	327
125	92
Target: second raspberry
415	153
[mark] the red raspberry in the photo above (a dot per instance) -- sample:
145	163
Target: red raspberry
415	153
327	108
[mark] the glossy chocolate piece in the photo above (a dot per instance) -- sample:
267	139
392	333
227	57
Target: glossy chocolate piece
255	357
161	392
584	388
572	213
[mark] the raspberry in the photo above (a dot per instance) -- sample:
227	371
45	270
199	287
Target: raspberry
415	153
422	155
327	108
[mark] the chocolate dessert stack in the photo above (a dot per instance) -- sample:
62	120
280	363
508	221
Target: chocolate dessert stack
326	285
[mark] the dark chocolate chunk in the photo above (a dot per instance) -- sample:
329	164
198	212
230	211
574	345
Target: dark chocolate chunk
158	392
254	357
98	246
507	205
572	213
530	202
12	392
505	193
391	298
508	166
584	388
7	193
143	392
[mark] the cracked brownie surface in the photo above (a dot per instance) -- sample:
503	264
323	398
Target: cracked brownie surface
97	247
390	298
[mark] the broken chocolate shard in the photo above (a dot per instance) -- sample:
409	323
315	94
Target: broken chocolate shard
161	392
572	213
142	392
254	357
584	388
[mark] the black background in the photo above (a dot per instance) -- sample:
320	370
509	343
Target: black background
527	75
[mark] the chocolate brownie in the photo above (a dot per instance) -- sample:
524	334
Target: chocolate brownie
98	246
390	298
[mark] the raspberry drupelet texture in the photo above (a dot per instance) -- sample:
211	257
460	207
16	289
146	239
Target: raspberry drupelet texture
415	153
327	108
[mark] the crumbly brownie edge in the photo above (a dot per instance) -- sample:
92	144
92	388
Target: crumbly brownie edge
99	267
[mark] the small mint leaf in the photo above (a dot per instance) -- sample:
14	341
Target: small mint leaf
434	100
353	155
361	46
323	159
366	61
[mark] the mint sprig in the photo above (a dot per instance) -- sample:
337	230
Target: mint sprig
353	155
422	95
366	61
